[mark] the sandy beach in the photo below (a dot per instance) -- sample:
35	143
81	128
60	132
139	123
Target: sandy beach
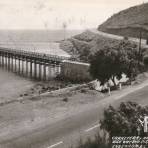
12	85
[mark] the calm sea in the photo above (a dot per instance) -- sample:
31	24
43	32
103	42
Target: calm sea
11	84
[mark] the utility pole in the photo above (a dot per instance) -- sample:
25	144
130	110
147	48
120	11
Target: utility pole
140	38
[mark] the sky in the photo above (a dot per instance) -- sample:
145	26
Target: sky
59	14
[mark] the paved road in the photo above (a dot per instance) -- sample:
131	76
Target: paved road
69	130
118	37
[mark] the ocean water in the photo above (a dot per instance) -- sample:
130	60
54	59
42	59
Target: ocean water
16	36
12	85
42	41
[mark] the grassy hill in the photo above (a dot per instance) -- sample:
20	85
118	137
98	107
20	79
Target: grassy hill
128	22
82	45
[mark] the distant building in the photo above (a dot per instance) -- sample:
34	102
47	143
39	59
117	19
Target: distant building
75	71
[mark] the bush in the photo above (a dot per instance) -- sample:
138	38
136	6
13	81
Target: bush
65	99
124	120
98	142
146	60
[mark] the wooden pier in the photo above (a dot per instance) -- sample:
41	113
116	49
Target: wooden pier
38	66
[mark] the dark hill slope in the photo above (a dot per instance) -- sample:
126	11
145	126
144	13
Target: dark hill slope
83	45
128	22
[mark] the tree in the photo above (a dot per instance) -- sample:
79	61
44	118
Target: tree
132	59
104	65
146	60
111	62
124	121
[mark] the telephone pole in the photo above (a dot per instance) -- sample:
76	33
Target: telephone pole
140	39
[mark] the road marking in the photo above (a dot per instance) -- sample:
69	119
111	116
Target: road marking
98	125
54	145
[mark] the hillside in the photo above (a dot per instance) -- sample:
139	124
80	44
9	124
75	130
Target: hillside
128	22
81	46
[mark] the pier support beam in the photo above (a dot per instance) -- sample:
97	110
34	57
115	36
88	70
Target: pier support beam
15	66
44	72
30	68
35	70
59	68
54	69
12	63
2	61
8	62
26	68
40	72
22	67
49	72
19	66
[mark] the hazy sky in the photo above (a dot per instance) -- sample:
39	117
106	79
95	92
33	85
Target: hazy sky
52	14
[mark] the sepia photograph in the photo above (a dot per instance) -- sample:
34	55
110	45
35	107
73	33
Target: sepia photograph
73	73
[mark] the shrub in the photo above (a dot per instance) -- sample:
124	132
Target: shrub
146	60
